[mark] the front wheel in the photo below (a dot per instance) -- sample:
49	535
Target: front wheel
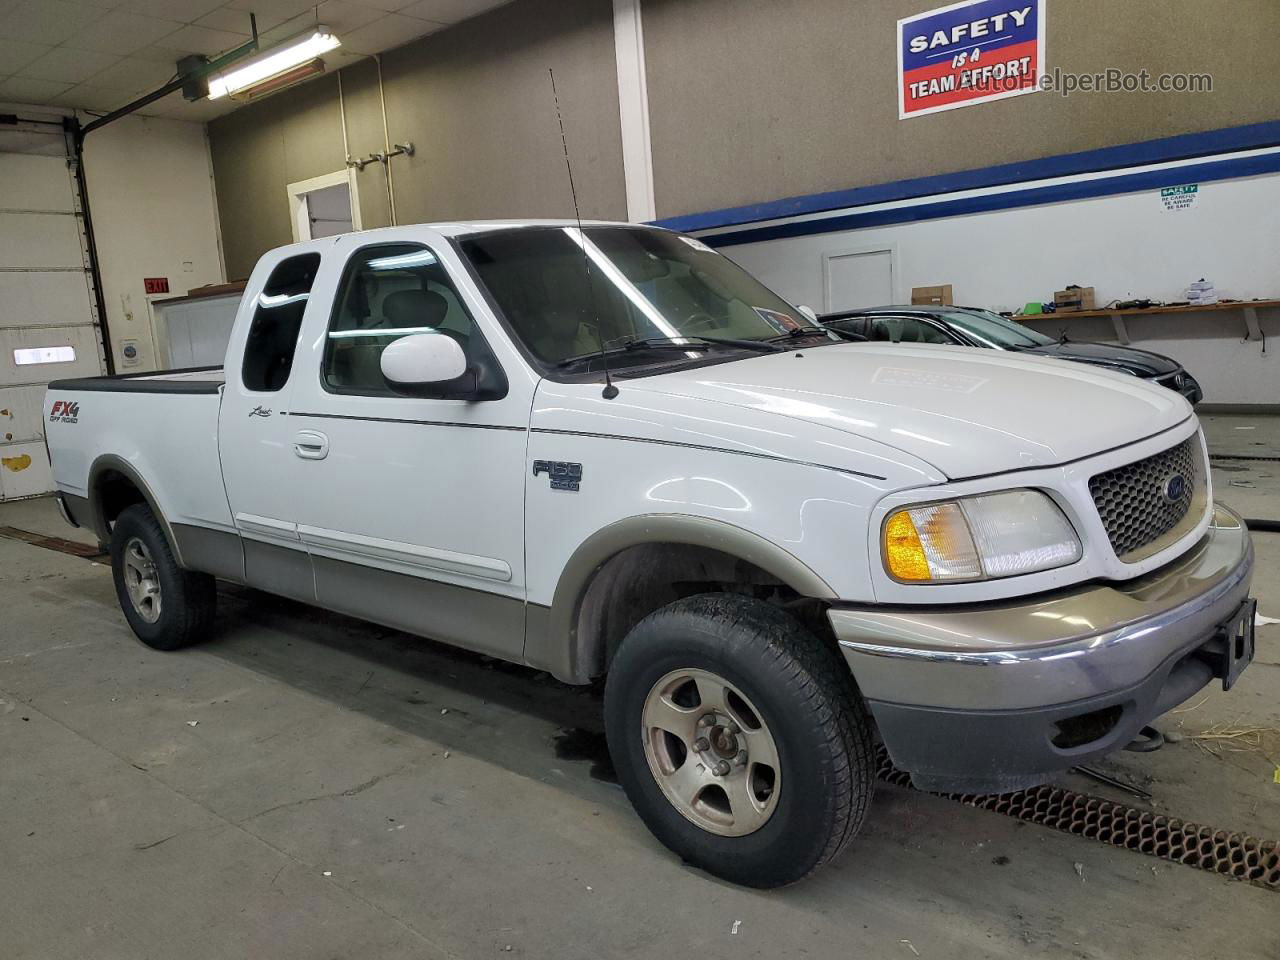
166	606
740	739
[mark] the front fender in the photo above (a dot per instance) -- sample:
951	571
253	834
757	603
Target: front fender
551	632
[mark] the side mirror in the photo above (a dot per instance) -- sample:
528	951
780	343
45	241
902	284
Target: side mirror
808	312
421	361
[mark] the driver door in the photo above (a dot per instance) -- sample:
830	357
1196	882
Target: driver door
412	509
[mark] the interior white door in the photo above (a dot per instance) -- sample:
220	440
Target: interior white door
858	279
329	211
47	329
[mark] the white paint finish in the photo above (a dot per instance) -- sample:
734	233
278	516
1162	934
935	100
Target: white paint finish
768	444
423	358
253	439
45	299
857	278
809	511
966	412
153	212
432	469
170	440
633	110
1123	246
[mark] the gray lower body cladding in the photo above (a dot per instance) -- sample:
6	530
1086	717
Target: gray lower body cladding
1026	694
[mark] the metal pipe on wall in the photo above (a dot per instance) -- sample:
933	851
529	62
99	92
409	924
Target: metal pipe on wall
386	144
342	117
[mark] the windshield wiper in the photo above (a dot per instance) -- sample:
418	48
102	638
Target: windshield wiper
760	346
692	342
795	333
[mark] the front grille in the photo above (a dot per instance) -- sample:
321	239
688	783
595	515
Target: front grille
1134	501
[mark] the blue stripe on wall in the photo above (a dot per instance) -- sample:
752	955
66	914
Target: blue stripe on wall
1081	190
1183	147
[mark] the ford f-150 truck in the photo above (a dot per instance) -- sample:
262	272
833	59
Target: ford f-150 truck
606	451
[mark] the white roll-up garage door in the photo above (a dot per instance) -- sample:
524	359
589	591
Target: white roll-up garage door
47	318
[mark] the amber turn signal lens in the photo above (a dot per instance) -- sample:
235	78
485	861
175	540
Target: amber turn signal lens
903	551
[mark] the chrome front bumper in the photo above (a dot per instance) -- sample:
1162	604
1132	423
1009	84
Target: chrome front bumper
986	687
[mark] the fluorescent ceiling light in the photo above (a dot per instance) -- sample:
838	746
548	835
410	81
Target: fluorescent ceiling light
275	61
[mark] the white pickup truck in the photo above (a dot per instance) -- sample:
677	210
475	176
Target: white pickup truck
605	450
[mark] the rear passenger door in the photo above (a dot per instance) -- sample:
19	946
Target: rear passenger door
412	509
253	432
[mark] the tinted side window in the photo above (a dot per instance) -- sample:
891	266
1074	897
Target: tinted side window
855	325
388	292
907	330
277	319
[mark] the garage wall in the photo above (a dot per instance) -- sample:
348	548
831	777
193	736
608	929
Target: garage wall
259	149
474	99
154	215
754	100
1127	245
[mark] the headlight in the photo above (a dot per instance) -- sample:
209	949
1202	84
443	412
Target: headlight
978	538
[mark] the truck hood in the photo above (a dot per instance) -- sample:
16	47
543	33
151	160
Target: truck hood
965	412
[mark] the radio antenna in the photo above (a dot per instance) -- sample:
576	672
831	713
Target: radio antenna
610	391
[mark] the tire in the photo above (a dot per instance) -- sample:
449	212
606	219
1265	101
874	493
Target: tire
801	696
177	605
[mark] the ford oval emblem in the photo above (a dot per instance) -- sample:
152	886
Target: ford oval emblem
1175	488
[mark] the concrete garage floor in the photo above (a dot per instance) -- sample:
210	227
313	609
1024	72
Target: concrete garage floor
310	786
1246	462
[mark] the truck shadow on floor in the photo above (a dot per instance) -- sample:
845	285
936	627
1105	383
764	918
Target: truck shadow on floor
508	714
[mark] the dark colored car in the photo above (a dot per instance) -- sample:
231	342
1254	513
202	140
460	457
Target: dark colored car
972	327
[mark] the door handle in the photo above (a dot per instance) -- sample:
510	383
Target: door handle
311	444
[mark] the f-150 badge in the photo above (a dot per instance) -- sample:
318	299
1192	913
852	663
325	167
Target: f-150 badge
564	475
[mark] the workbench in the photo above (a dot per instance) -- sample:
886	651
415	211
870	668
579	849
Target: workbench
1249	307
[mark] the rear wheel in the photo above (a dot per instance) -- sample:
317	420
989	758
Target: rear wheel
740	738
166	606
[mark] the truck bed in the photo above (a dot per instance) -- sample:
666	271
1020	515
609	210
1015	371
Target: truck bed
189	380
158	427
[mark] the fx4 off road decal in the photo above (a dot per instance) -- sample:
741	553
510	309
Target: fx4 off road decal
64	411
563	475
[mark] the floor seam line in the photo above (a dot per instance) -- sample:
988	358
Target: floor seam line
444	951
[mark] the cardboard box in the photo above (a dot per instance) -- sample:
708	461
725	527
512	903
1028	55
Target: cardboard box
931	296
1077	298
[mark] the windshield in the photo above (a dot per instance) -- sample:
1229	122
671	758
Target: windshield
567	292
996	330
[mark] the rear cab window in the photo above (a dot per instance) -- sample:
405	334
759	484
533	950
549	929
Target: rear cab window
272	339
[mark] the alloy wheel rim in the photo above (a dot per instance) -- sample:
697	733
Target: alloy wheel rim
711	752
141	580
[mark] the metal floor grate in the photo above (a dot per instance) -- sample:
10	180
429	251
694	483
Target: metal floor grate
73	547
1218	851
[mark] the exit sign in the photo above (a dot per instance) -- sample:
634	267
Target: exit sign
155	284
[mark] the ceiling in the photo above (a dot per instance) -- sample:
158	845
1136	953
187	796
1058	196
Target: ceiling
100	54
